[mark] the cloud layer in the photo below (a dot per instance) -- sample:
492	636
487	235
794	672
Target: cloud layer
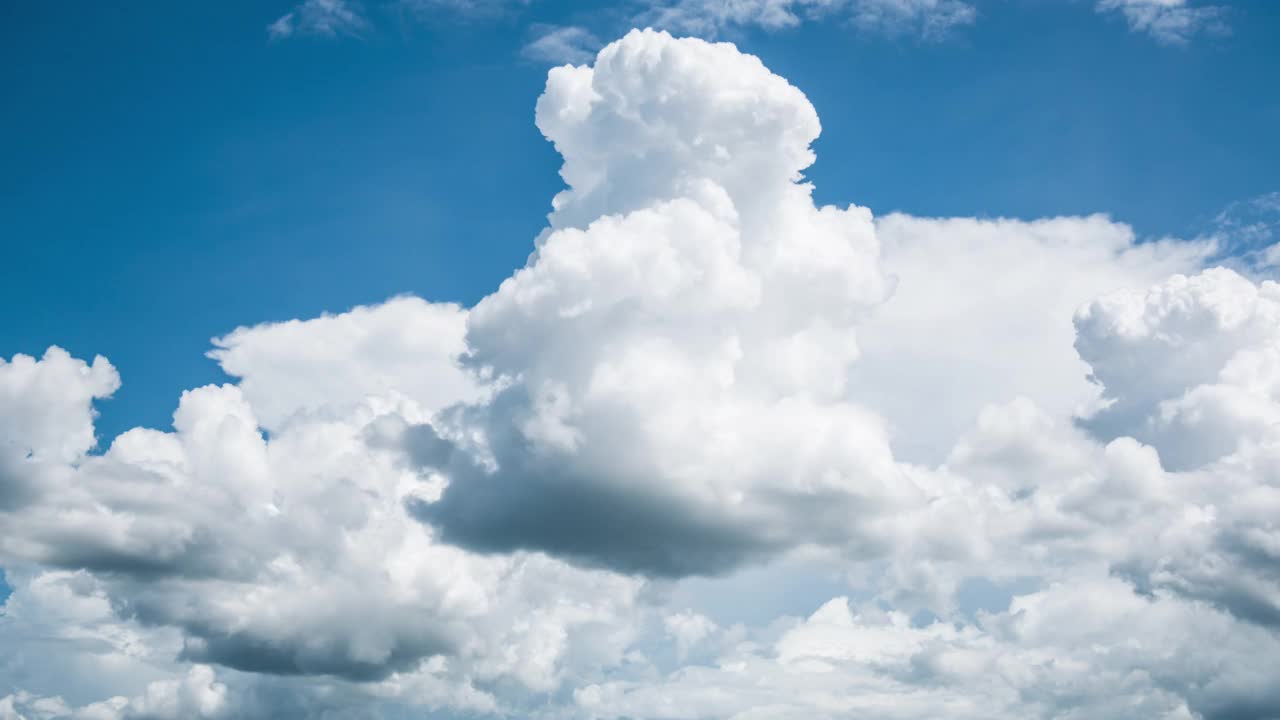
1040	459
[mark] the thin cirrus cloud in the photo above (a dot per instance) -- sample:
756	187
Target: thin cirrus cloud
924	18
927	19
325	18
415	507
335	18
1172	22
558	44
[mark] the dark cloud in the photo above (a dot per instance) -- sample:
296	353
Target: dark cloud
304	656
541	505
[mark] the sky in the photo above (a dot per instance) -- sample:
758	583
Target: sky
643	360
175	172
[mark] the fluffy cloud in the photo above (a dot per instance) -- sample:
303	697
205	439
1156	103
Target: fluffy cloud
47	421
283	556
1051	654
1192	366
406	348
197	695
675	363
1040	457
982	313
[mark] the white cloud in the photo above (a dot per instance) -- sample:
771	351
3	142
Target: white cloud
319	17
1172	22
1247	234
981	313
463	7
47	421
290	555
1051	654
562	44
1193	368
332	18
522	509
405	347
676	365
926	18
1188	364
195	696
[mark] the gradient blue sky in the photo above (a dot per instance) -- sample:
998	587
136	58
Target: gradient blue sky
171	172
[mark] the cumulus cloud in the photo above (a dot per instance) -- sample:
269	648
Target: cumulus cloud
1188	365
522	508
197	695
283	556
405	347
982	313
1192	367
1051	654
1172	22
48	418
677	347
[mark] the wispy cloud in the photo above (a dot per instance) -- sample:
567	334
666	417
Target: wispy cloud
1172	22
476	8
925	18
1248	232
928	18
333	18
559	44
326	18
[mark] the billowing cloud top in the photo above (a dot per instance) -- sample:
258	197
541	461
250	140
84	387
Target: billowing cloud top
676	364
1041	459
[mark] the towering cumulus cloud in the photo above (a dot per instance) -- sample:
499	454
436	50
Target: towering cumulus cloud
1039	459
677	348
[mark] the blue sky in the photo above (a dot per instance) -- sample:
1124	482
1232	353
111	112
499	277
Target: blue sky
174	173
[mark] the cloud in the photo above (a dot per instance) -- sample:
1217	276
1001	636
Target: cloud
326	18
333	18
473	8
48	419
1247	233
700	381
1050	654
283	555
925	18
1192	367
562	44
1172	22
982	313
404	347
197	695
1186	365
675	365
